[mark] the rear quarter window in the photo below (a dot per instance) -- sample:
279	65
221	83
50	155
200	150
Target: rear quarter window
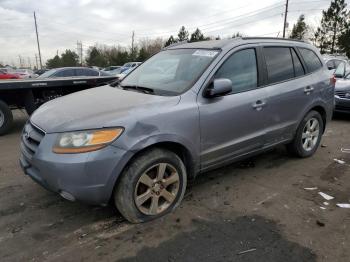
312	61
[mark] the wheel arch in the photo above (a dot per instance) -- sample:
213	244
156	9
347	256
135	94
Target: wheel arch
319	107
186	155
322	111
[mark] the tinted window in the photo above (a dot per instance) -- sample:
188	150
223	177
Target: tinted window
241	69
298	67
86	72
279	64
65	73
311	59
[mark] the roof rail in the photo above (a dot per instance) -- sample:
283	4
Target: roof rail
175	44
273	38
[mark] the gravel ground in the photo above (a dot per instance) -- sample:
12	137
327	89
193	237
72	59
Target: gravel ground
256	210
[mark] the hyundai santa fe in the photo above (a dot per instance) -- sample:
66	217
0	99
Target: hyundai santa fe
190	108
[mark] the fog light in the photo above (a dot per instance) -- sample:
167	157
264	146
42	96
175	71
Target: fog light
67	196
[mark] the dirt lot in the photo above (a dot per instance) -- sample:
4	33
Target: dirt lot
259	205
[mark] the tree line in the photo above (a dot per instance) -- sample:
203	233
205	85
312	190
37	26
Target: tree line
331	36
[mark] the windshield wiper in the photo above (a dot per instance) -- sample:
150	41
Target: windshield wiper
143	89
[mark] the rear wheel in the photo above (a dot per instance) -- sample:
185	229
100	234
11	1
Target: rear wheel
6	118
308	136
151	186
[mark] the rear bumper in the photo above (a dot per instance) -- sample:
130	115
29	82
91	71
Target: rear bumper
88	177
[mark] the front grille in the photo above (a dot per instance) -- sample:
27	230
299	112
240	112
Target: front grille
30	140
343	94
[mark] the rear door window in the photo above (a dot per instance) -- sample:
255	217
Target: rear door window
279	64
312	61
241	69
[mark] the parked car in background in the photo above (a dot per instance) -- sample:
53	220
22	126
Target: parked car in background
342	94
333	62
115	71
129	65
26	73
342	70
40	71
5	75
73	72
123	74
111	68
138	141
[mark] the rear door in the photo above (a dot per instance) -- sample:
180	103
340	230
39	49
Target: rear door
289	91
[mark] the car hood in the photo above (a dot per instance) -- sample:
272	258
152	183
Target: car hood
342	85
97	108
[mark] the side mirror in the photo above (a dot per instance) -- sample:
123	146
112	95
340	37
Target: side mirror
219	87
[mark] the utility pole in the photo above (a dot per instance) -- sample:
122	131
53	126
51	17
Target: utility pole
20	61
36	61
80	51
37	39
29	62
132	43
285	20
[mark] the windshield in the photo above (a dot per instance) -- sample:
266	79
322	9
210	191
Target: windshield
172	71
48	73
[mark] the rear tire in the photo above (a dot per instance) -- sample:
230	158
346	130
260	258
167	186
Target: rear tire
151	186
308	136
6	118
29	103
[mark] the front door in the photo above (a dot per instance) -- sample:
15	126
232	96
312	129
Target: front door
234	124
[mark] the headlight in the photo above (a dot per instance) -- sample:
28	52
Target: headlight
85	141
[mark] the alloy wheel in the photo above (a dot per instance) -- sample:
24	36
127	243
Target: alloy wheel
310	135
157	189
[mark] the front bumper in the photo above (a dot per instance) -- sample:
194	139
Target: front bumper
88	177
342	104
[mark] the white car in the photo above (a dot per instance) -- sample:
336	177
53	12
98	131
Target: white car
26	73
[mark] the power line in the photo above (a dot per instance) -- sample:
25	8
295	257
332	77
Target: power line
251	13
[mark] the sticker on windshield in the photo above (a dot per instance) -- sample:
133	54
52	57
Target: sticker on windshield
205	53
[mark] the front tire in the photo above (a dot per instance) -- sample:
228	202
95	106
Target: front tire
151	186
308	136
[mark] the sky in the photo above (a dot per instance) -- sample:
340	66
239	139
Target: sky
61	23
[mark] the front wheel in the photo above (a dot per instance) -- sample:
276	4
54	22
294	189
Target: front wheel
151	186
308	135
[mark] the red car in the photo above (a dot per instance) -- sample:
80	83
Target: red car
5	75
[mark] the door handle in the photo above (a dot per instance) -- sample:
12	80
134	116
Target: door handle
308	90
259	105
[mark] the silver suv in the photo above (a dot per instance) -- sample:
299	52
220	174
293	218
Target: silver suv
188	109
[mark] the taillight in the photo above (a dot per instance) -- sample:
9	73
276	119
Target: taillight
333	80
